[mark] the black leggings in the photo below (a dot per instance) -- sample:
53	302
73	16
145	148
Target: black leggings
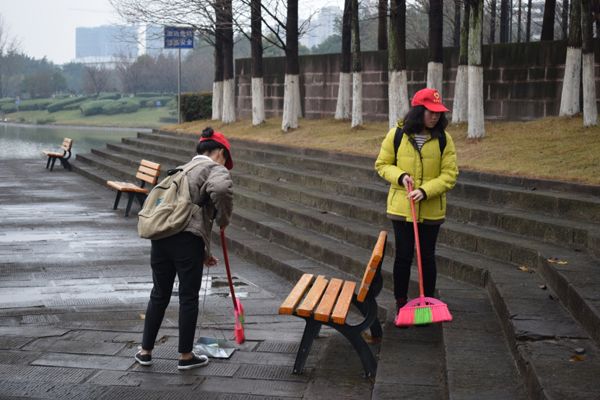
181	254
405	248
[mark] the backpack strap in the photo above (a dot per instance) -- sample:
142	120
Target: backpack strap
398	139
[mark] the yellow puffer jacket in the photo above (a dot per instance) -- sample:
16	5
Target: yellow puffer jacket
435	178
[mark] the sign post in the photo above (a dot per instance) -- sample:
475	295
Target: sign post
177	37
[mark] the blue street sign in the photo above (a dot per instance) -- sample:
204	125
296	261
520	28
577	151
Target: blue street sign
177	37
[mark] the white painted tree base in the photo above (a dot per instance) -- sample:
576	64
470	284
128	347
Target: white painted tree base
357	117
460	107
476	127
258	101
435	72
217	100
228	101
342	108
569	99
291	104
397	97
590	109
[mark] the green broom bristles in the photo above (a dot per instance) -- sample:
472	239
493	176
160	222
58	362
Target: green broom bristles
422	315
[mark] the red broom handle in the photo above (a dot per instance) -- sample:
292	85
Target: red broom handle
417	244
226	258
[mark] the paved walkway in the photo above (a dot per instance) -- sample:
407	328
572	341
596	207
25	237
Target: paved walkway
74	282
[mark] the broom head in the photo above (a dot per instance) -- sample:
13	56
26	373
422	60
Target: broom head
423	310
238	329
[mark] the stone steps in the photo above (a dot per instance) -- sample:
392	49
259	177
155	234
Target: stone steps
292	218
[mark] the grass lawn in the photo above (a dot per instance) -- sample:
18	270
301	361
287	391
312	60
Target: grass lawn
553	148
143	118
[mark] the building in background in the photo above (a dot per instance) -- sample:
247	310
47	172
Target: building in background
322	25
104	44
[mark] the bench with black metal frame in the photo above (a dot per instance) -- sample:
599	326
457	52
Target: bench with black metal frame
63	155
148	172
327	302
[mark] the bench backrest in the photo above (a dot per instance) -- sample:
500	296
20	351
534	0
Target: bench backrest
67	144
148	172
372	267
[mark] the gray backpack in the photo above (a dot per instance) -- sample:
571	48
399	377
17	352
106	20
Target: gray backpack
168	207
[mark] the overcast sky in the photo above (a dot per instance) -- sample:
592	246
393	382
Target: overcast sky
47	27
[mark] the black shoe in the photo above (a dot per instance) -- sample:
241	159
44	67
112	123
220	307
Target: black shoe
194	362
143	359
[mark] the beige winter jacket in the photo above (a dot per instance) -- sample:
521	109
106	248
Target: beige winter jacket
212	189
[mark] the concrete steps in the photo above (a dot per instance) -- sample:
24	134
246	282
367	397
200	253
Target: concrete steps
510	324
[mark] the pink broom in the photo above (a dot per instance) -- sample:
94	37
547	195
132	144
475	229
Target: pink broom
238	310
422	310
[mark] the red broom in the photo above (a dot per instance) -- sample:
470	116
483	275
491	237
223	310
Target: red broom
422	310
238	310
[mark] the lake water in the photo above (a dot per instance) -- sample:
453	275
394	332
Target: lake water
28	141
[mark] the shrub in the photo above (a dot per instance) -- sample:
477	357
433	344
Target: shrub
148	94
151	101
32	105
8	108
44	121
109	96
62	104
196	106
93	107
7	100
120	107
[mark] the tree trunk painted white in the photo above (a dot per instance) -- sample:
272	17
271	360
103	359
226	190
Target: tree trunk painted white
258	101
460	106
291	95
397	97
228	101
357	117
590	109
435	73
342	108
475	103
217	100
298	101
569	100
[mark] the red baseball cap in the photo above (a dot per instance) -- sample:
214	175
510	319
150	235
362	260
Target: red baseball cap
220	138
430	99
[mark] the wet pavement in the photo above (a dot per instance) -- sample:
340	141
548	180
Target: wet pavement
74	283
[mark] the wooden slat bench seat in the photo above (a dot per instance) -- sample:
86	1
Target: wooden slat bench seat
321	301
62	155
148	172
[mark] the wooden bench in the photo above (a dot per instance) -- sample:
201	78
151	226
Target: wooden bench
148	172
326	302
63	155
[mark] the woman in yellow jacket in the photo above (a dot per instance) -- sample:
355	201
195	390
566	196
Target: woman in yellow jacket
421	153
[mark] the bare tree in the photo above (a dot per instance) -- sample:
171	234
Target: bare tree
493	21
8	46
565	19
504	21
569	100
291	97
528	27
435	66
476	127
357	117
590	109
258	95
457	25
342	109
398	89
217	94
228	72
461	86
382	15
95	79
548	22
519	22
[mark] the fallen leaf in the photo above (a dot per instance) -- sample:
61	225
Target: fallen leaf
142	316
554	260
577	358
525	269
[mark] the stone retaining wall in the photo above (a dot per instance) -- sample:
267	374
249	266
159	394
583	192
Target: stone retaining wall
521	81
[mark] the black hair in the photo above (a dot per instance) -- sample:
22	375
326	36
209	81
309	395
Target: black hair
413	122
207	146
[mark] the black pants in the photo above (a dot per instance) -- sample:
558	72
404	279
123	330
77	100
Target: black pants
181	254
405	248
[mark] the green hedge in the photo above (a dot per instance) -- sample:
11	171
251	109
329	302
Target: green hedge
109	96
93	107
5	100
196	106
63	104
149	94
151	101
121	107
32	105
8	108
